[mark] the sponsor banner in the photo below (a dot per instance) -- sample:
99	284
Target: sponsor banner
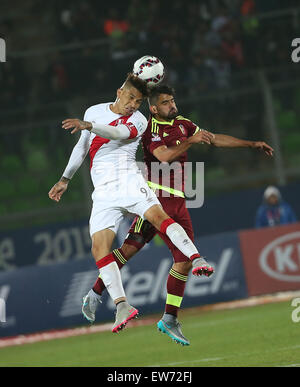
271	259
44	245
51	244
41	298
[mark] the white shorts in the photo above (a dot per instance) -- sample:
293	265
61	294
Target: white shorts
113	200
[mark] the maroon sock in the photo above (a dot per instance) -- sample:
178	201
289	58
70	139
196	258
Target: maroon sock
175	291
120	260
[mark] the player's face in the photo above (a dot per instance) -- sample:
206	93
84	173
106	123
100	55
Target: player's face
129	100
272	200
165	108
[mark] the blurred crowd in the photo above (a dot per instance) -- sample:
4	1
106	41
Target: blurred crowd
63	56
203	44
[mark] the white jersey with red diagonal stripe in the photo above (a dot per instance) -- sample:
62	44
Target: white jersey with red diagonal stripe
109	159
119	185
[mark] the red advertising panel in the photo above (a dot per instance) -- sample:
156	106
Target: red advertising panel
271	259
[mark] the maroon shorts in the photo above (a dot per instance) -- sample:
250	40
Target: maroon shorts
141	231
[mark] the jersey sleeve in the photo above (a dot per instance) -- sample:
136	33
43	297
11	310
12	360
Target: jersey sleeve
88	116
79	152
154	138
136	125
192	128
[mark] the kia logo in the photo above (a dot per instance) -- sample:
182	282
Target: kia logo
280	259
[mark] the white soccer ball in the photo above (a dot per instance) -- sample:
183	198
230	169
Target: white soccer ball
150	69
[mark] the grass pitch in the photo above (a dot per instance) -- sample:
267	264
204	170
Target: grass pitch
263	335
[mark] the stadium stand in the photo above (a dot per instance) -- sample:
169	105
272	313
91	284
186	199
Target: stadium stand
69	55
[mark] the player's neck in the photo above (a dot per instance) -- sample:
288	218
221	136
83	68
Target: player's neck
162	119
114	107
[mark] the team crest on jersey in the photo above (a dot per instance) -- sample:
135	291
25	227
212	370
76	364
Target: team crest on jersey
120	121
182	128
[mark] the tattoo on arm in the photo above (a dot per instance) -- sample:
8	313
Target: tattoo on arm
64	179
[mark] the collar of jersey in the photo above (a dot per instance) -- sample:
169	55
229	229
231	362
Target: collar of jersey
163	122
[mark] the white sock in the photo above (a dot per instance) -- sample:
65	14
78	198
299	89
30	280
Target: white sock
181	240
111	277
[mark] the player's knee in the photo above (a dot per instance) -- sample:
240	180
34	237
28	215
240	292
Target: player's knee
156	215
98	251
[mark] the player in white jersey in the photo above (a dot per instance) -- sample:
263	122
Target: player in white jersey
111	133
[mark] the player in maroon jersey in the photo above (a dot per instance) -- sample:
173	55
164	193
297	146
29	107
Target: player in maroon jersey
167	139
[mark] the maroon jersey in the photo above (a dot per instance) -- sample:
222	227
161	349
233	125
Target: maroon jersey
168	178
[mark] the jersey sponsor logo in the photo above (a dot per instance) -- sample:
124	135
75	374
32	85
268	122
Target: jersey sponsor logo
165	134
155	137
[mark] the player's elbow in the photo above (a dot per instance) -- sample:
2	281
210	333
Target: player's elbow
163	154
119	134
115	136
164	158
217	141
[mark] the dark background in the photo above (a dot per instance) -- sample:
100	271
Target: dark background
63	56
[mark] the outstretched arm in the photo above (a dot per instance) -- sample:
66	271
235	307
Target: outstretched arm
78	154
169	154
118	132
224	141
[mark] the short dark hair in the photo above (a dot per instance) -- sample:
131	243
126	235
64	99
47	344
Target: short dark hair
157	90
137	83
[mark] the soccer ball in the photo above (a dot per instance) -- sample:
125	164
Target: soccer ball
150	69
